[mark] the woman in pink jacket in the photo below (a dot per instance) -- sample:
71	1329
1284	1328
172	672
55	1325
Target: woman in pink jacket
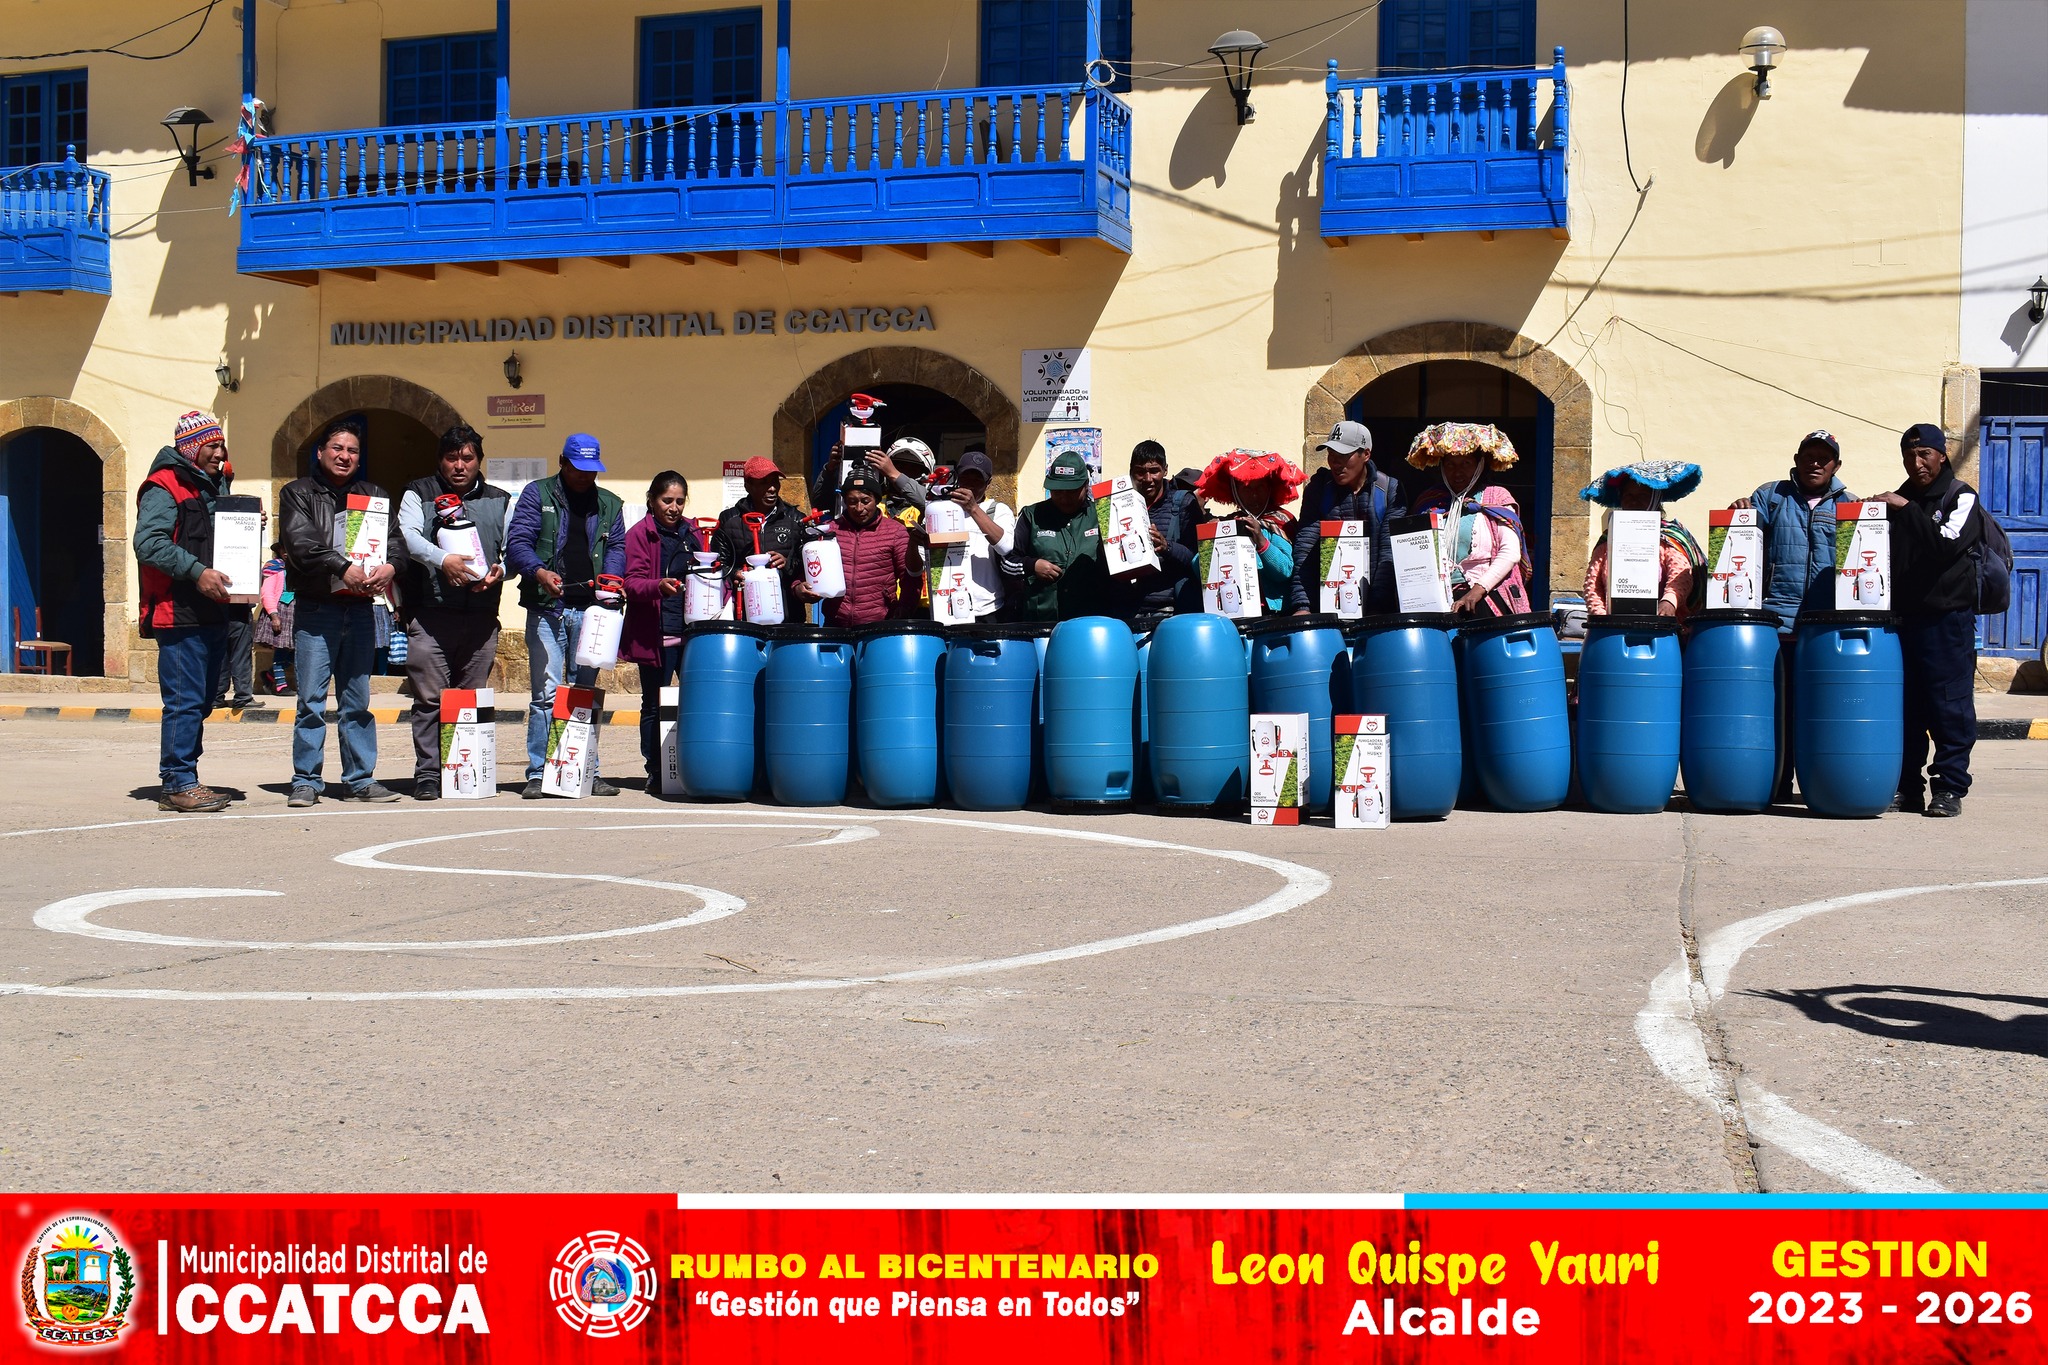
883	570
658	550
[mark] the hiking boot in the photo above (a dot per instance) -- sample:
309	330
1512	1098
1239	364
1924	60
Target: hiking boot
303	796
600	787
427	789
192	801
531	791
1911	803
375	793
1945	805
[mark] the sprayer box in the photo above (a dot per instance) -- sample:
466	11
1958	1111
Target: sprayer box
571	764
1279	766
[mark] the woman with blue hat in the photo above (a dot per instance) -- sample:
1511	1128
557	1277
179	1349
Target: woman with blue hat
1645	487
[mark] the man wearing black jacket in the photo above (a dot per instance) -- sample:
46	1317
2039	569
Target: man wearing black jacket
1935	527
1175	514
781	535
332	628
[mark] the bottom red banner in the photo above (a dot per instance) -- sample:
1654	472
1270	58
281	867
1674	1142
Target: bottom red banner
626	1278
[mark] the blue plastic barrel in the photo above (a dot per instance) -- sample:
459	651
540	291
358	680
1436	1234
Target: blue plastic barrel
810	714
899	668
1728	730
719	712
1299	666
1848	725
1630	681
1514	684
1041	640
1141	720
1089	686
1199	698
1402	668
991	701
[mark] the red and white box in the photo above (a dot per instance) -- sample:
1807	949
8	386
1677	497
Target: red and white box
469	744
1345	570
1361	764
571	764
1279	766
1230	571
1863	557
1125	524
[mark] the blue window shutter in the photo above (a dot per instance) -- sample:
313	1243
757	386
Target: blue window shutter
693	59
1045	42
451	78
1434	35
40	113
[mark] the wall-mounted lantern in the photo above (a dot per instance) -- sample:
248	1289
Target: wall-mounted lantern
512	375
195	119
1763	45
2037	300
226	377
1238	50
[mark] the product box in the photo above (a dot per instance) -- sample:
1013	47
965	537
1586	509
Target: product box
1346	568
571	763
855	436
1230	571
1421	579
1863	557
950	576
671	755
469	744
238	545
1632	558
1279	766
363	531
1125	525
1361	762
1735	559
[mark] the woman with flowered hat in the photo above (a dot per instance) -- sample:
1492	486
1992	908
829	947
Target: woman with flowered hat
1256	485
1488	550
1645	487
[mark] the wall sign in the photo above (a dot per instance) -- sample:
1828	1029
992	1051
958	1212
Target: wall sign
604	326
516	410
1056	385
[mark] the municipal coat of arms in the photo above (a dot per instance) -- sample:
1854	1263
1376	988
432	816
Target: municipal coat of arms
77	1283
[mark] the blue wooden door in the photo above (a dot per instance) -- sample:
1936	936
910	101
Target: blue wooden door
2010	474
1438	35
21	472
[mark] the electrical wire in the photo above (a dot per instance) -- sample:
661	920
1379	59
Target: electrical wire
1740	374
115	49
1626	160
1320	23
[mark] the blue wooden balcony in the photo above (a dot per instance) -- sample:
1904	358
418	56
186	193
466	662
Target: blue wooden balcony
53	228
972	167
1467	151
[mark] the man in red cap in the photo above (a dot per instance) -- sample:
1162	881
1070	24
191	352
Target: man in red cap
781	532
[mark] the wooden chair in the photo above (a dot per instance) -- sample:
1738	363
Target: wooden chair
39	655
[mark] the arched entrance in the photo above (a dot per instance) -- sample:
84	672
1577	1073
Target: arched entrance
403	424
1446	358
64	533
946	397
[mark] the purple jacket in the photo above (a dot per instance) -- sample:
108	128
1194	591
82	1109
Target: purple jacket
641	643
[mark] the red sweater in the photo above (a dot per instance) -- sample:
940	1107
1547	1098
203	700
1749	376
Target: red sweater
881	574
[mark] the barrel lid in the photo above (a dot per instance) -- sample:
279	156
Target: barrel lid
1732	616
747	628
905	627
1409	620
1639	625
1489	625
1006	630
1846	618
809	634
1280	625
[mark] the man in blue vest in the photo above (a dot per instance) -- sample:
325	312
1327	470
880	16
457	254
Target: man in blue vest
1797	517
565	532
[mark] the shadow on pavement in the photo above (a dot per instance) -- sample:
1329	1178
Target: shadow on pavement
1919	1014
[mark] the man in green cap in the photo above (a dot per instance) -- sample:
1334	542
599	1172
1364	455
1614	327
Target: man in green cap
1059	549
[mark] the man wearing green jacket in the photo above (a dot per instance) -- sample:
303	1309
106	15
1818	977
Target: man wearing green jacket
183	601
1059	549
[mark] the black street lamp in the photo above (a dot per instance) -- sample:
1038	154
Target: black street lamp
1237	50
512	375
195	119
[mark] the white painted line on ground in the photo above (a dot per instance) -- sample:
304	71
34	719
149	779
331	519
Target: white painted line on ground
1301	885
1668	1026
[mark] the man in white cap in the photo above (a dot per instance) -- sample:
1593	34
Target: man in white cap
1350	489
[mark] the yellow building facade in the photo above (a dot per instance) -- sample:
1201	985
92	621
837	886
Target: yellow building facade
1729	273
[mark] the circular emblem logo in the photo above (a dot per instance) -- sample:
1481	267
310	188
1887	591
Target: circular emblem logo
603	1284
77	1283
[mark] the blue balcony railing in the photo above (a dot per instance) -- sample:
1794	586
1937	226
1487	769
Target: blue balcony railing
971	166
1457	152
53	228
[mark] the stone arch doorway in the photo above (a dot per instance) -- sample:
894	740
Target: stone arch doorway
80	524
970	397
404	421
1357	379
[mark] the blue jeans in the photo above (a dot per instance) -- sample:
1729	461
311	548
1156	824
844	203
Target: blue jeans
550	645
188	664
334	642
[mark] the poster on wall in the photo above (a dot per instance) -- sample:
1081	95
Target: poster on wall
735	482
1084	441
1056	385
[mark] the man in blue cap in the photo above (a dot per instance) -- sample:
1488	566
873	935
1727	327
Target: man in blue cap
1937	534
565	532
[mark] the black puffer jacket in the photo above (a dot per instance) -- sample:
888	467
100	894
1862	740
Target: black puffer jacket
1933	570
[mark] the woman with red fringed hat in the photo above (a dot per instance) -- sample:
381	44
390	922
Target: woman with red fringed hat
1256	485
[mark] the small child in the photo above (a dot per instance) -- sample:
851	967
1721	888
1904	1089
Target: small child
274	624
